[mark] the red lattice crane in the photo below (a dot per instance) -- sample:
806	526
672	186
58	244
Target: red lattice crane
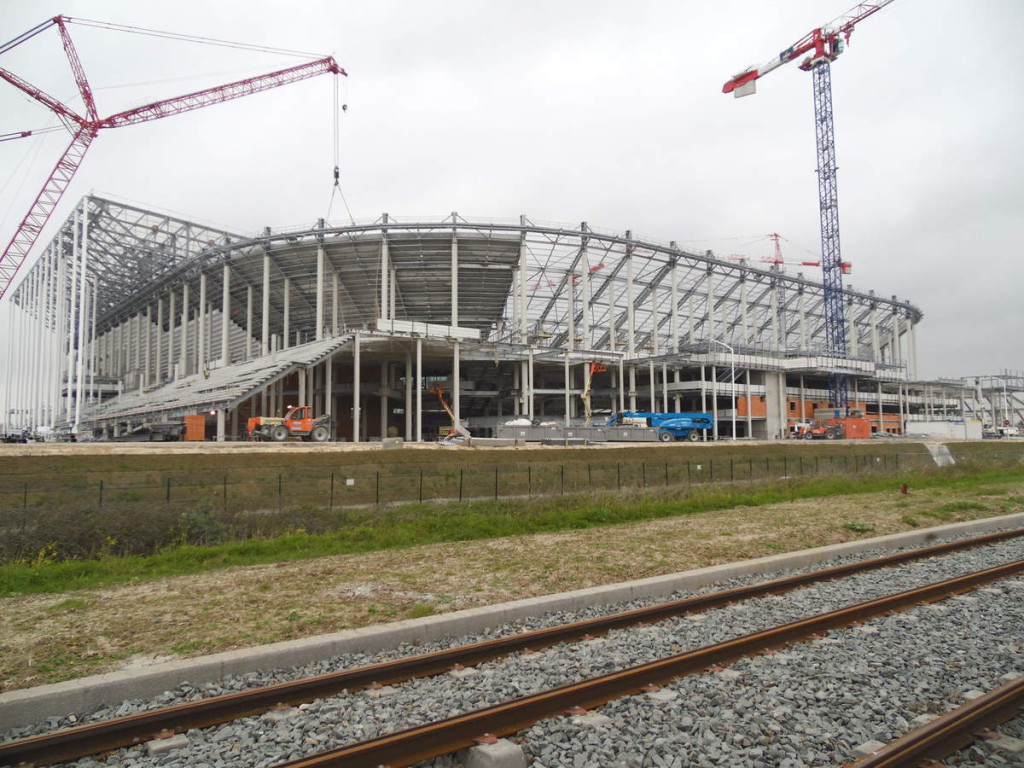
823	46
84	128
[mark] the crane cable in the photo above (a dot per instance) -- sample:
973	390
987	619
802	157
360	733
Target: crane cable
336	189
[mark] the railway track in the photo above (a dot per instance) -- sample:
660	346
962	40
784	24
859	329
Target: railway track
408	747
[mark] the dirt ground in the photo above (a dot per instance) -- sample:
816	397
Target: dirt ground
47	638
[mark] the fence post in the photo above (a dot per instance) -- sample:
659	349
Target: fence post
688	479
785	466
529	480
461	475
561	471
618	476
224	505
643	473
897	462
24	502
377	492
101	495
168	500
732	470
711	469
666	474
495	481
590	476
330	503
279	493
421	484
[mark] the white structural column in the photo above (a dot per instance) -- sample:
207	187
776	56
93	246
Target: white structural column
711	304
202	357
456	385
876	349
664	388
529	383
225	316
83	293
183	354
385	385
248	322
334	302
329	393
356	393
630	310
622	388
385	270
524	330
912	344
148	347
408	397
418	436
744	311
265	333
567	387
586	297
158	361
675	303
171	314
285	341
852	334
455	276
654	319
805	336
73	315
690	318
650	378
321	257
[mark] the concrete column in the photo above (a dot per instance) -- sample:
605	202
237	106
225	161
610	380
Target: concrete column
171	351
711	305
334	302
329	393
876	350
529	384
690	330
320	259
744	307
356	389
202	356
674	288
408	397
881	425
220	425
805	335
384	387
385	273
158	350
622	386
566	385
750	424
852	325
225	316
248	322
632	387
676	405
650	374
664	388
300	374
455	277
714	398
418	436
912	343
183	352
585	298
654	320
265	299
148	361
630	310
285	340
524	330
79	361
456	384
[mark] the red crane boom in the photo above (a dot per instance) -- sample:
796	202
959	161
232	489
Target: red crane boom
85	129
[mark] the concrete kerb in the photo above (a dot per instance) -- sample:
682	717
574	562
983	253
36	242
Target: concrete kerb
23	707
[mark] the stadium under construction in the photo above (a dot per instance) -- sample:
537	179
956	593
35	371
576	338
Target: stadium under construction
132	317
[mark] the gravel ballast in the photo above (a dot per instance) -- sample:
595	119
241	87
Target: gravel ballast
811	705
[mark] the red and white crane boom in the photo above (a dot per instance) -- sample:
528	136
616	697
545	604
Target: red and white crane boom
86	127
825	41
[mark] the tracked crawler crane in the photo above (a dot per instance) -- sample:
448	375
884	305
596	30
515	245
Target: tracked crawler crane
84	128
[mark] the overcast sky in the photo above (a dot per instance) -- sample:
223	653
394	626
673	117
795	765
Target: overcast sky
605	112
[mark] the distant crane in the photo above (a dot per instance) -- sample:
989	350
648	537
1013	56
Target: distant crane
85	128
823	45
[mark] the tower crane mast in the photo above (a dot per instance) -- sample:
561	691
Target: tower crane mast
823	46
84	128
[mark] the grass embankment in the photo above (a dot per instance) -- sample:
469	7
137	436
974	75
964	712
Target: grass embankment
368	530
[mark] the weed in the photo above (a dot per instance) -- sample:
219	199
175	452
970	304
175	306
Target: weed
962	506
859	527
419	610
910	520
70	605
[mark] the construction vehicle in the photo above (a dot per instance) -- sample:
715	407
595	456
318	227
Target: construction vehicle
853	427
298	422
456	430
670	426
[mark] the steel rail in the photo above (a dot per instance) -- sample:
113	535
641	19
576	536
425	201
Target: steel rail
73	743
950	732
423	742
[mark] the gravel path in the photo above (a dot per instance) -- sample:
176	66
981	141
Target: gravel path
810	705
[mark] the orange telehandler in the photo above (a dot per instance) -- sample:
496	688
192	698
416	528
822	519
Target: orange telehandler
298	422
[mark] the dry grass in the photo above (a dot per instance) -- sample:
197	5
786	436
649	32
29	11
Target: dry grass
46	638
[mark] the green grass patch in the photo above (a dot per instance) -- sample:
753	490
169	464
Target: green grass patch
367	530
859	527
